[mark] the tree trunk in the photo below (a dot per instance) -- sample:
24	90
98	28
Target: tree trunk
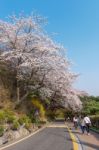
18	94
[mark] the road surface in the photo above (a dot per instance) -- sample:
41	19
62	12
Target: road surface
48	139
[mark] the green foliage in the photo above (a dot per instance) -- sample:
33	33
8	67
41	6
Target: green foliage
2	116
95	117
95	120
33	95
51	115
59	113
31	115
1	130
68	113
47	102
28	125
25	120
90	105
39	106
6	116
42	122
10	116
15	125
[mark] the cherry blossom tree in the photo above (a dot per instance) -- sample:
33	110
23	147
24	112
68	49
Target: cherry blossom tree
37	60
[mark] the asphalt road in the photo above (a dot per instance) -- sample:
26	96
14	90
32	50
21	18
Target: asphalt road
47	139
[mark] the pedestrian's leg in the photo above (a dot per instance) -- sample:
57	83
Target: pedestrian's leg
83	129
87	128
75	125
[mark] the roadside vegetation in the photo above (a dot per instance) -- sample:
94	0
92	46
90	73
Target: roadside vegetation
91	108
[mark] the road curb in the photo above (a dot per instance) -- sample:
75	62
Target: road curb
80	143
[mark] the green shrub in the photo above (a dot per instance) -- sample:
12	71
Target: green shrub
95	120
59	113
11	119
10	116
42	122
1	130
28	126
39	106
6	116
50	115
24	119
33	120
2	117
15	125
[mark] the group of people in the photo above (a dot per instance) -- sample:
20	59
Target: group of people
84	122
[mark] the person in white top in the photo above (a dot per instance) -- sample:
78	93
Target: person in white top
75	121
87	124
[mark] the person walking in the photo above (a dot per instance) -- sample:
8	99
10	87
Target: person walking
87	124
82	124
75	121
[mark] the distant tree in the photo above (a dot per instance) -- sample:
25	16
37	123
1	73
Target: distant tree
90	105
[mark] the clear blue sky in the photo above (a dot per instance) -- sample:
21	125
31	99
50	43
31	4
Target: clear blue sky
77	25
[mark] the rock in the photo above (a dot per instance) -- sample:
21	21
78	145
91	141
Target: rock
11	135
1	140
16	134
23	132
5	141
